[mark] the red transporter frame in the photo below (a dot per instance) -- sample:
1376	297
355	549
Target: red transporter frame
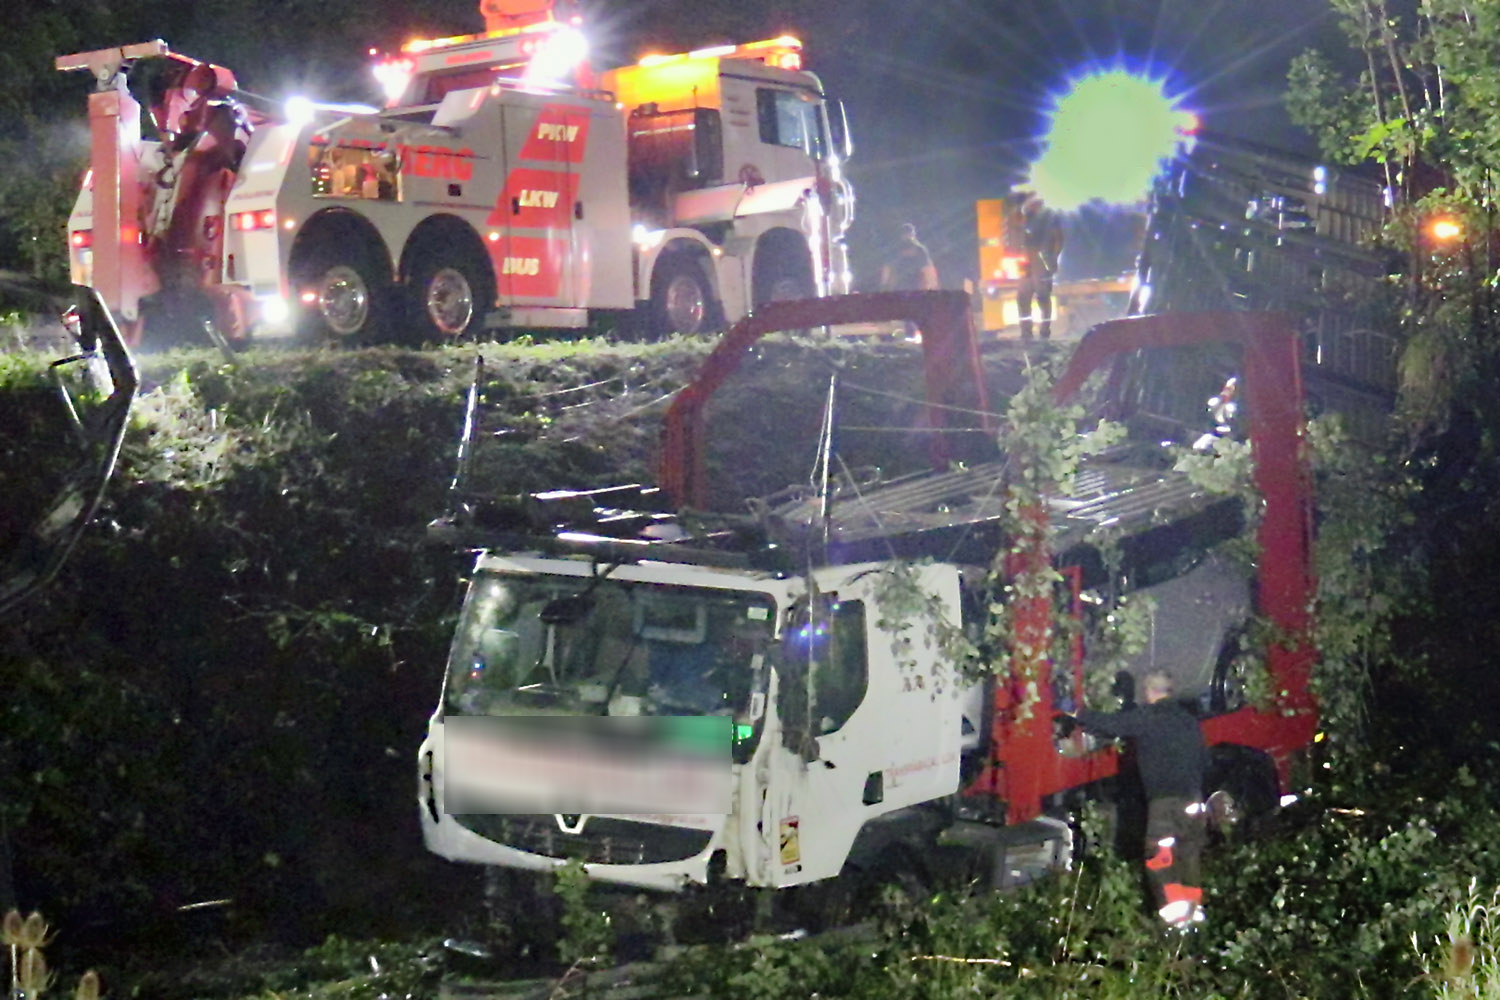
950	353
1026	765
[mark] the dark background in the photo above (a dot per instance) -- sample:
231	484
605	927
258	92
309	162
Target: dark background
947	98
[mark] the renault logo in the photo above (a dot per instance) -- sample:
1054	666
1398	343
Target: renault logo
570	822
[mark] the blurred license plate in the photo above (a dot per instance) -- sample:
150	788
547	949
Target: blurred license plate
597	766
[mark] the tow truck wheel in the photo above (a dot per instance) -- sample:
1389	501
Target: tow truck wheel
680	299
784	279
787	288
450	295
1243	795
343	299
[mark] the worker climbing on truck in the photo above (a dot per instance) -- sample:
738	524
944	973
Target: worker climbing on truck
1172	758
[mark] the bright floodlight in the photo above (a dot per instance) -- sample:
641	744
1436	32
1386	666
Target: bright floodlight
559	54
1444	229
1109	136
393	75
300	110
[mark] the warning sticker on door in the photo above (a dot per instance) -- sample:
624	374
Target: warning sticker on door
791	842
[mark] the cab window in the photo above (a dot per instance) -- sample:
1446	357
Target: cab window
787	118
831	644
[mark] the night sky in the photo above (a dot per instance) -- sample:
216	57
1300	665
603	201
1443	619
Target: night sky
946	97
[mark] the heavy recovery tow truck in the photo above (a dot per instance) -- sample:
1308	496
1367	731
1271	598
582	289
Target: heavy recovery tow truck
601	629
505	184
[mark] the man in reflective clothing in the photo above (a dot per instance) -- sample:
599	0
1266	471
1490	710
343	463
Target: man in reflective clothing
1042	234
1172	757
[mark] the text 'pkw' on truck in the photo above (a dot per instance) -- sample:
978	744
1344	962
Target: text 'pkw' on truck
504	185
848	736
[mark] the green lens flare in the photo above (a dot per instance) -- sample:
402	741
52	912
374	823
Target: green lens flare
1109	136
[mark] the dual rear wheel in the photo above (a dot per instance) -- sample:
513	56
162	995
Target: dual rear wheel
347	297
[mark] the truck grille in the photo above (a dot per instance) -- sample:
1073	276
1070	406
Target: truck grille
603	841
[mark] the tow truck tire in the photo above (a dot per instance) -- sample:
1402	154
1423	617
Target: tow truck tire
782	275
450	293
344	297
1242	794
681	302
783	278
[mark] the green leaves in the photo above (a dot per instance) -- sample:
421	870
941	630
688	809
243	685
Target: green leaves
586	926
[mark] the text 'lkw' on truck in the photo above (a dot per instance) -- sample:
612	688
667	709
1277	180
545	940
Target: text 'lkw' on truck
504	185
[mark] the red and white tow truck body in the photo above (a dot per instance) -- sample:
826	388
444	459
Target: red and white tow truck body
503	185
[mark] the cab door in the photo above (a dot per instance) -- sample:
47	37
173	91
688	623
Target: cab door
869	716
545	142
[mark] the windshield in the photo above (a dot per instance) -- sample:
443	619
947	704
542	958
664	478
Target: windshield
539	645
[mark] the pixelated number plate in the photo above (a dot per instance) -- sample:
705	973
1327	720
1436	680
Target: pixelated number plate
598	766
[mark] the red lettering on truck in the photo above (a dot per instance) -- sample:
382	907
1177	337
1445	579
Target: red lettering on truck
535	199
560	135
529	267
437	161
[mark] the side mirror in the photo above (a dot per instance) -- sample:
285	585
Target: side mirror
838	129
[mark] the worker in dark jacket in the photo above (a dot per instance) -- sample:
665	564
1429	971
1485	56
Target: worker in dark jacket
1042	236
1171	756
909	269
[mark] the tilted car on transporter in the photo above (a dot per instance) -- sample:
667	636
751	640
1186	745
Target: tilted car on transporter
1234	225
676	700
504	185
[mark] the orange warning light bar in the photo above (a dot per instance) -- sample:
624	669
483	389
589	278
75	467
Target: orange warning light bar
784	51
419	45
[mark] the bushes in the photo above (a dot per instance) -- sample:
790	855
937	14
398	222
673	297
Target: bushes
1376	896
221	697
